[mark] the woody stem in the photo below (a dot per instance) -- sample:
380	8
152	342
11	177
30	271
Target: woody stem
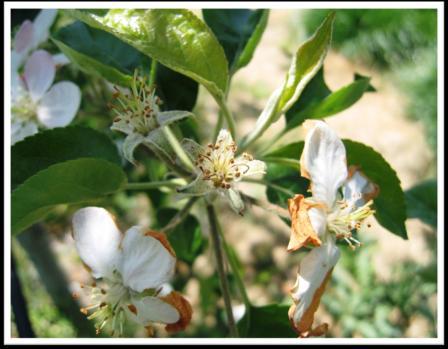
216	241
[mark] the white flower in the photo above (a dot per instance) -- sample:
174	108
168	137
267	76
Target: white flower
138	116
324	217
218	169
133	266
30	35
35	102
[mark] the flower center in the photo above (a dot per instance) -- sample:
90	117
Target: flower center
139	109
344	220
219	166
23	108
109	304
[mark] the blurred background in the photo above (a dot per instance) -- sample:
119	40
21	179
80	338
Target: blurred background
387	288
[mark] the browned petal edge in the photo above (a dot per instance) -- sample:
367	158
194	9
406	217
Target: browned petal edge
376	188
132	308
183	307
162	239
304	327
302	231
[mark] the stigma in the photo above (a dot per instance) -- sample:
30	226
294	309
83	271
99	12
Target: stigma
138	110
217	164
345	220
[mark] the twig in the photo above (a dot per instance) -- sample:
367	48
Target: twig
220	266
19	305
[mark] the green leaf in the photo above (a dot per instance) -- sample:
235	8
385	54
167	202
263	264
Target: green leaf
306	63
174	37
421	202
100	53
390	204
304	66
239	31
49	147
269	321
317	101
70	182
186	238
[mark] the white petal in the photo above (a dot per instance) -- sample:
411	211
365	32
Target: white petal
60	59
192	148
235	200
131	142
224	140
313	270
59	105
39	73
168	117
16	61
24	37
146	262
153	309
318	219
198	187
356	188
249	167
21	130
97	240
324	162
42	24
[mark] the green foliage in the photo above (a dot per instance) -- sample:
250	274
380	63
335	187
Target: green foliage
70	182
421	202
100	53
390	205
363	304
49	147
175	38
318	102
305	64
239	31
277	326
186	238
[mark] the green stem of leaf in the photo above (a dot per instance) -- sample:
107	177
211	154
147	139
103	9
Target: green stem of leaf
175	144
269	145
180	216
217	246
266	183
234	266
227	115
155	185
153	72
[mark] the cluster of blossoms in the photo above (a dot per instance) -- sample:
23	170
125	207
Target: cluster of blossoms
323	218
134	269
35	100
218	169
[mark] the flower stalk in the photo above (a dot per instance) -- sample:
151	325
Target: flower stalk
217	246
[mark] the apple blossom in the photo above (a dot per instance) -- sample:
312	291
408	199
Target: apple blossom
36	102
138	116
323	218
218	170
134	267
